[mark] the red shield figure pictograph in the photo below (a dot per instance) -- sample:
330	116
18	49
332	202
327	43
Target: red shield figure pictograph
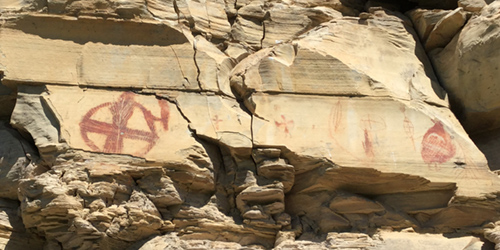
116	130
437	145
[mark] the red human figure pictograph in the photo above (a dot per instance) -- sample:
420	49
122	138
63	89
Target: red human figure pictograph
371	125
285	124
437	145
117	130
216	120
368	145
408	127
336	118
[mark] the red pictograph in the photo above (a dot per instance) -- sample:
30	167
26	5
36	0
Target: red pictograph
116	130
216	120
368	145
437	145
408	127
287	125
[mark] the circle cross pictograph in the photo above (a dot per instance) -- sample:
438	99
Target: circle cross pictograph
117	130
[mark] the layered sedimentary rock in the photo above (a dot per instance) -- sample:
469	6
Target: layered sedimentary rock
467	67
242	124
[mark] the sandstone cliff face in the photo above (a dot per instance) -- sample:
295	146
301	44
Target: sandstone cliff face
158	124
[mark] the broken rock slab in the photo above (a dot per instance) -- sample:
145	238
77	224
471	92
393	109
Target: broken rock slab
468	68
168	55
207	17
114	8
438	27
263	25
305	66
217	118
13	234
17	160
472	5
424	20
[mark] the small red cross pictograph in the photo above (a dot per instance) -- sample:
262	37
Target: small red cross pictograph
117	130
286	125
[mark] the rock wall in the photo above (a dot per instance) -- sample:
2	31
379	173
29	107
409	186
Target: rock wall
155	124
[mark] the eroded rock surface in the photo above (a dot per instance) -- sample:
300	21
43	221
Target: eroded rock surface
247	124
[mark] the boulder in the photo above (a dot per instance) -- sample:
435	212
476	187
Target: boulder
18	158
468	69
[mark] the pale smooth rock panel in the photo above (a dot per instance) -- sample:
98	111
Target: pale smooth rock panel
217	117
146	54
118	66
121	123
384	134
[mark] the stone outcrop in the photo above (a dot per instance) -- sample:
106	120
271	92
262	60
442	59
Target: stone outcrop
468	70
13	234
248	124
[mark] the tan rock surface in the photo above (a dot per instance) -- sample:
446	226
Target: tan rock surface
103	60
172	241
437	28
21	5
372	133
13	235
263	25
468	69
305	66
17	160
195	124
139	125
414	241
424	20
218	118
472	5
445	29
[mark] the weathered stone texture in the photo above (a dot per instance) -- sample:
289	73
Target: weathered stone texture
197	124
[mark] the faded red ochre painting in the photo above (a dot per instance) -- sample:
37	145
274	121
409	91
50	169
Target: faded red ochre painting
437	145
116	130
285	124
